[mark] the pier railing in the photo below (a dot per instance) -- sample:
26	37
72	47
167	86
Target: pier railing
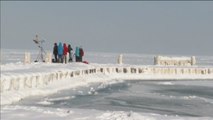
34	80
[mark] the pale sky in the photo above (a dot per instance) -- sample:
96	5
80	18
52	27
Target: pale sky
177	27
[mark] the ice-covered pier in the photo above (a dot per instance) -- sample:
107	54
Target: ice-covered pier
18	80
26	79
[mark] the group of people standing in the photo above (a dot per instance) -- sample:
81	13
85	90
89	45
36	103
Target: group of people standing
60	53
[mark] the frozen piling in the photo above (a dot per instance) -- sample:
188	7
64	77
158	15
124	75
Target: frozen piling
174	61
120	59
27	58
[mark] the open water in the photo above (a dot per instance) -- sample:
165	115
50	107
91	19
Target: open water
175	98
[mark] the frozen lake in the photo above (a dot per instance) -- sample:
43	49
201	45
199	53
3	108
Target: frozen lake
14	56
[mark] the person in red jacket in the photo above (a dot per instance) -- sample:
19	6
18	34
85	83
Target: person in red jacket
65	52
81	54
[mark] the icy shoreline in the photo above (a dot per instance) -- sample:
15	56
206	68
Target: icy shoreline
19	81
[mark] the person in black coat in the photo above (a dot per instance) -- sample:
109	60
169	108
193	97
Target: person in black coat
70	52
55	52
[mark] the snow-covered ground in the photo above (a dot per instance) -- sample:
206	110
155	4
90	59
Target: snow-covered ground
35	113
14	67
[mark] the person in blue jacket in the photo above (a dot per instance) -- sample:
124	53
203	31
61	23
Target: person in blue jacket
60	52
77	54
